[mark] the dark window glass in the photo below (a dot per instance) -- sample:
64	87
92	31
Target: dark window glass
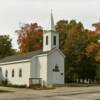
46	40
13	73
6	73
20	73
56	69
54	40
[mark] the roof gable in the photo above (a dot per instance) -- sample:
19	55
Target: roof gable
55	49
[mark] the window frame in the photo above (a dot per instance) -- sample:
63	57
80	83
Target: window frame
13	73
54	40
20	73
47	40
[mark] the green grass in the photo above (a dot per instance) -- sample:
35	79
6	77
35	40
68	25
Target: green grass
81	85
42	88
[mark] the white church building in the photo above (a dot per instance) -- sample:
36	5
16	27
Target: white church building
45	67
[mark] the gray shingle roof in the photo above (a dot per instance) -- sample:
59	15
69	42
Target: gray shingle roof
21	56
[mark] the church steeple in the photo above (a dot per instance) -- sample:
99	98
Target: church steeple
52	22
50	37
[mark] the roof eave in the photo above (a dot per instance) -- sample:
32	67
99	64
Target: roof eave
13	62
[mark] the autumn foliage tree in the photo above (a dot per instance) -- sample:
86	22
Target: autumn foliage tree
97	31
30	37
76	44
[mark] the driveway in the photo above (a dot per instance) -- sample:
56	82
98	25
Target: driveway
62	93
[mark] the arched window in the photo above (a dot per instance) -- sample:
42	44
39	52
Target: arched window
46	40
13	73
6	73
20	73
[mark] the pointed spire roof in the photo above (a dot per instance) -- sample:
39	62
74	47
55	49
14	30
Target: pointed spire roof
52	26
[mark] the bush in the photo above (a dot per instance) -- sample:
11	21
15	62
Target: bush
5	82
16	86
39	87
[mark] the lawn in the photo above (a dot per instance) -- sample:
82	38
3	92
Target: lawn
81	85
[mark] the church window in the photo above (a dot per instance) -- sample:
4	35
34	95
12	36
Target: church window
56	69
6	73
20	73
13	73
54	40
46	40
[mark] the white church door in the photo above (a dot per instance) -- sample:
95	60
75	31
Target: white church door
56	78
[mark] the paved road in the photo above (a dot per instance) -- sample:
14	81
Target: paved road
63	93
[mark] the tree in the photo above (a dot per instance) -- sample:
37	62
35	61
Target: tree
73	41
98	73
71	34
30	37
5	46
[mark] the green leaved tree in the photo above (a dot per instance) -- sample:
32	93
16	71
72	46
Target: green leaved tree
5	46
73	41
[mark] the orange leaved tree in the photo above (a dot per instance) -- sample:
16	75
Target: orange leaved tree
30	37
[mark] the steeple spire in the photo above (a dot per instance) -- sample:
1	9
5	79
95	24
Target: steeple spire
50	36
52	22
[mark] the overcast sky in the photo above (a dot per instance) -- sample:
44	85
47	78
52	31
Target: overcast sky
15	12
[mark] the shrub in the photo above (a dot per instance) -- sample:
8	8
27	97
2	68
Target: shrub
5	82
